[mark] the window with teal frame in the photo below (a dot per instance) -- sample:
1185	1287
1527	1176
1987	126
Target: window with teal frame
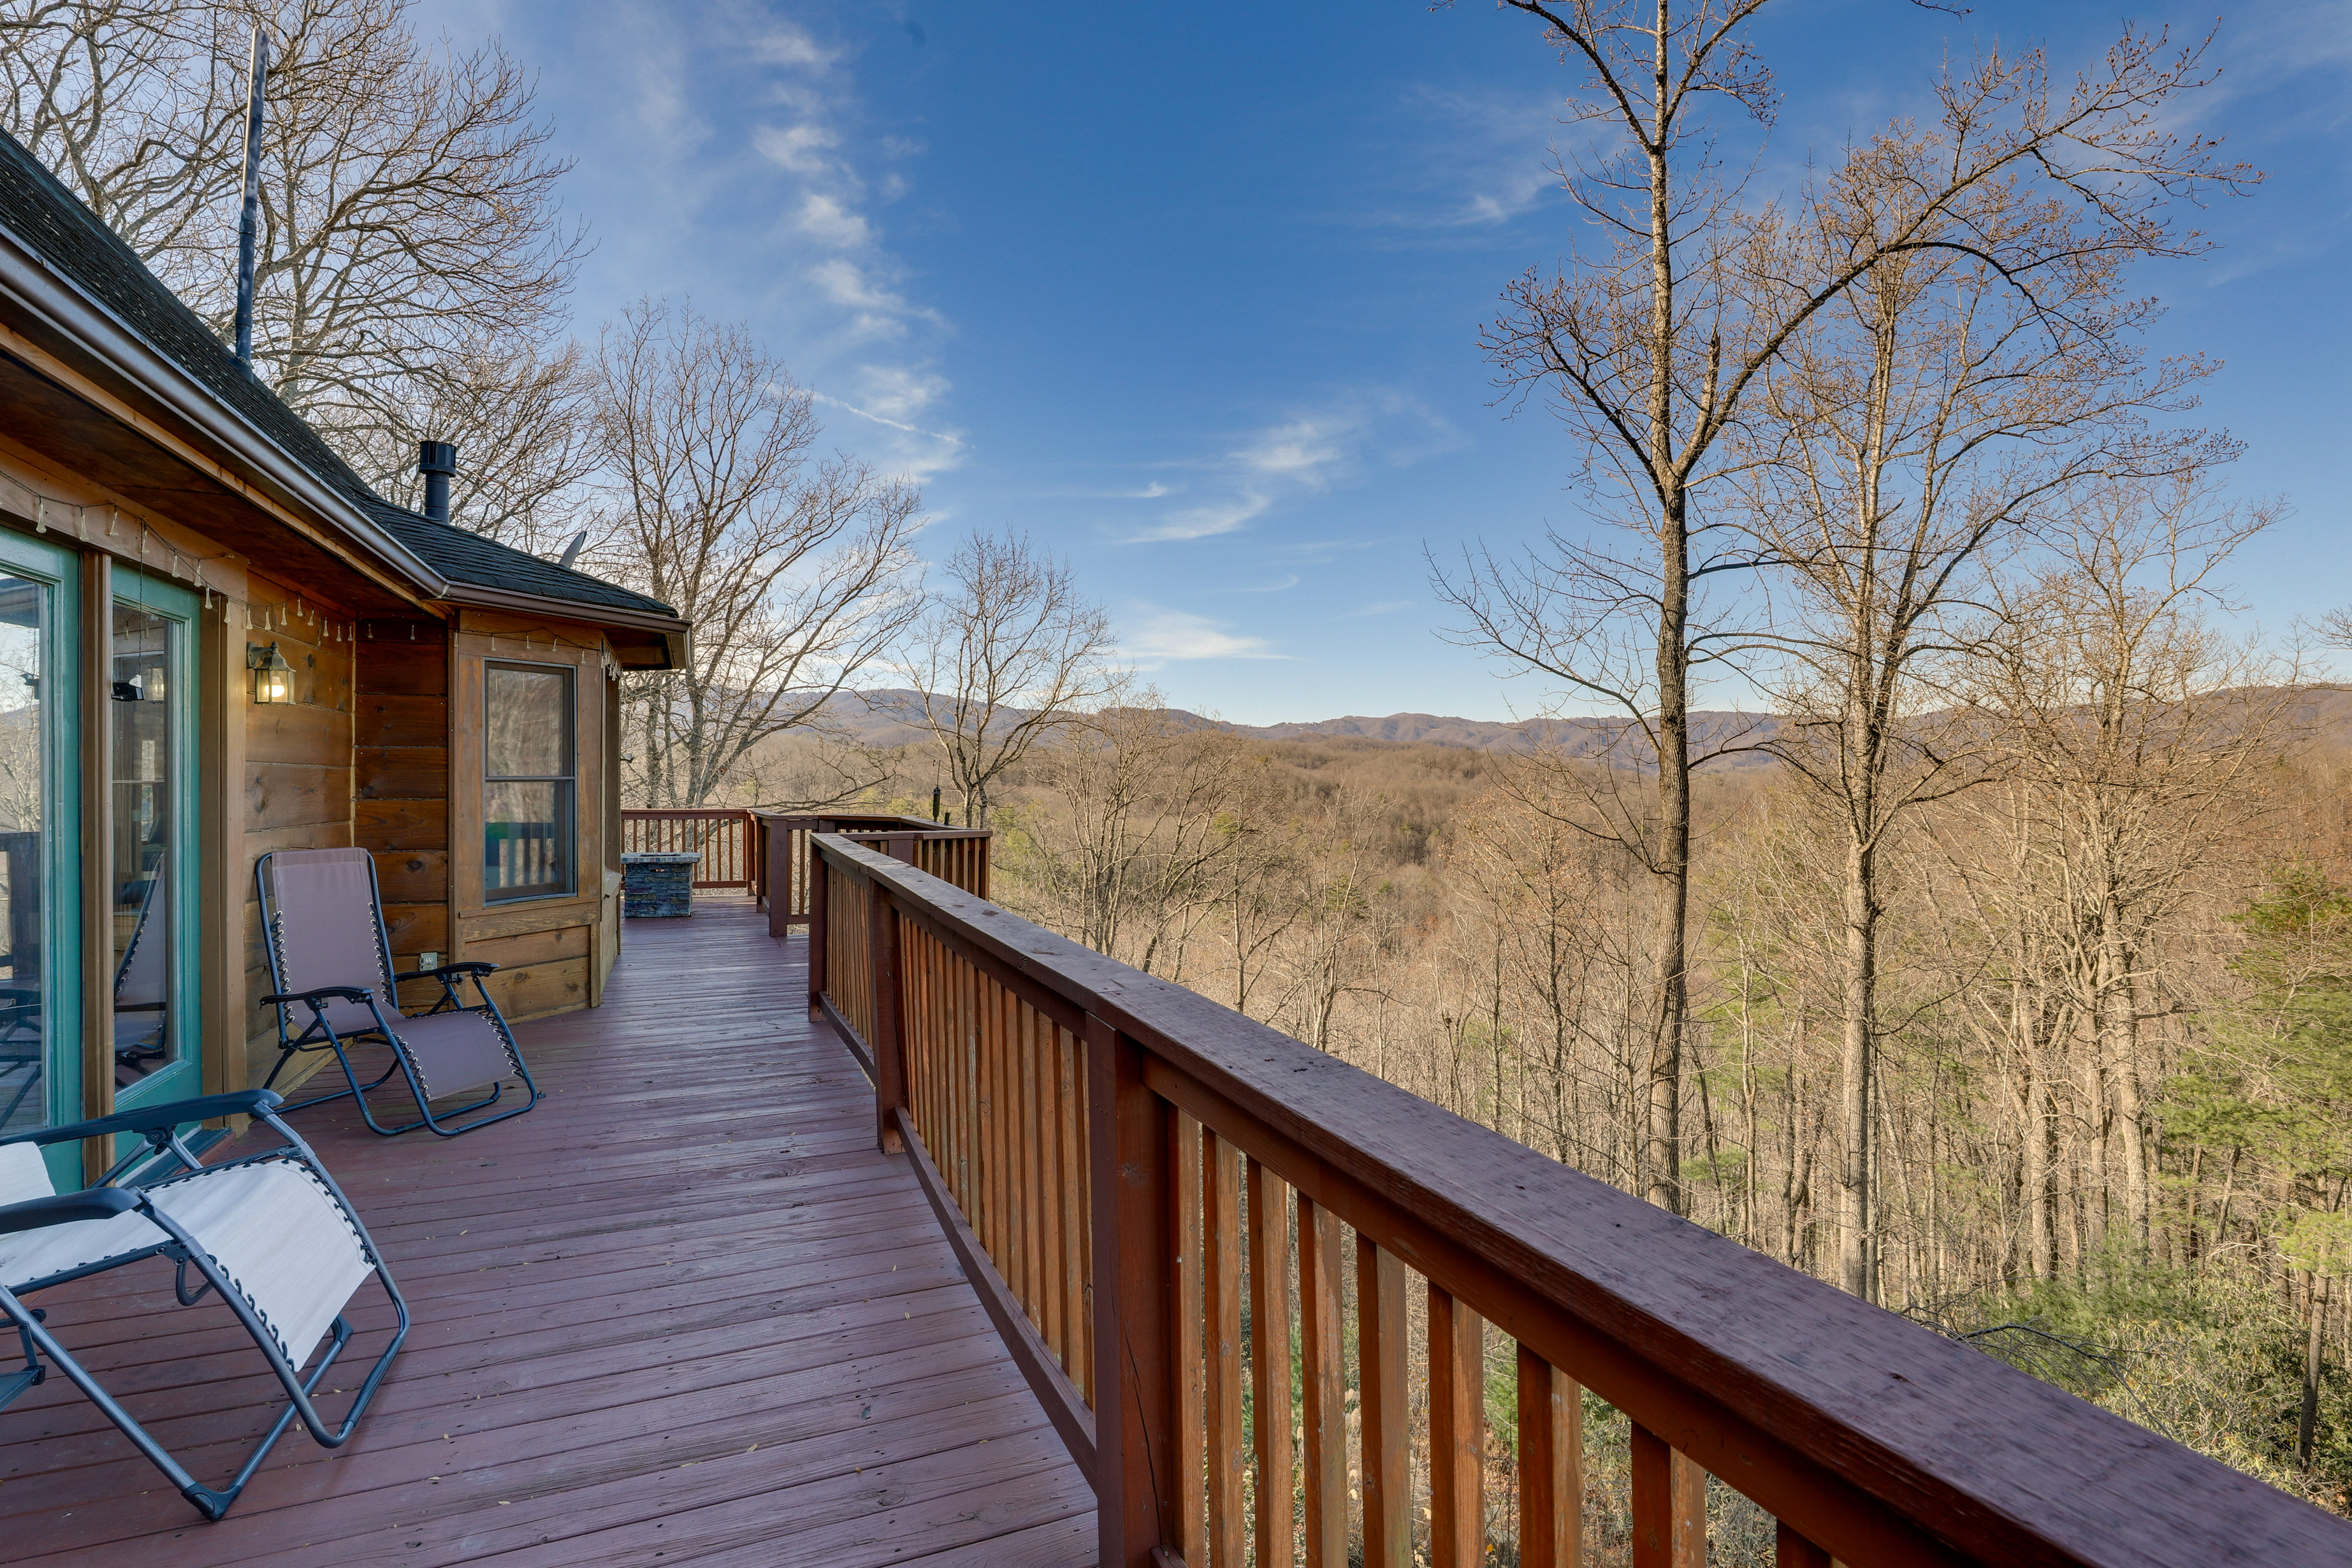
151	832
40	844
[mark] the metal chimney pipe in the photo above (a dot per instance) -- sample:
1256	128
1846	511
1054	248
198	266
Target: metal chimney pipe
249	223
437	461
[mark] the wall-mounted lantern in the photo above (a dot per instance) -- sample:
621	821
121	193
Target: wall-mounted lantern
273	677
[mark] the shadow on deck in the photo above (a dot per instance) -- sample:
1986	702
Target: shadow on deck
682	1312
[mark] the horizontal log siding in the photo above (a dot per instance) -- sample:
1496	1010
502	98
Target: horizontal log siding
297	773
400	776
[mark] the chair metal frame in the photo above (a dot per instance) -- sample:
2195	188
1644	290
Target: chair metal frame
103	1199
320	1035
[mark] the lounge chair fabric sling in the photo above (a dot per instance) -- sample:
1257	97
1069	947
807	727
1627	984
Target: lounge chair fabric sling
323	922
270	1232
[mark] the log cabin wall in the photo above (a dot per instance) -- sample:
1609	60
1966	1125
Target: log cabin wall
553	952
298	770
400	807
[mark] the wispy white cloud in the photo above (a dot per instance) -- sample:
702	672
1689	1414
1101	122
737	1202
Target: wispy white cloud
1289	580
783	44
829	221
1475	159
1378	607
803	149
1308	453
878	311
894	398
848	407
1155	636
875	342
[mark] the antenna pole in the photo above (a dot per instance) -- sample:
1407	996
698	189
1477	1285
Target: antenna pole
249	226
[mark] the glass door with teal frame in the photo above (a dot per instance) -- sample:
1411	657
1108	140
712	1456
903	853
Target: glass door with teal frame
40	844
152	828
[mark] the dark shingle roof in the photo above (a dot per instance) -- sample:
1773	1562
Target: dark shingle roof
54	226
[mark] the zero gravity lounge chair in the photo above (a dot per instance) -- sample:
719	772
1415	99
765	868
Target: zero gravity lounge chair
322	924
270	1233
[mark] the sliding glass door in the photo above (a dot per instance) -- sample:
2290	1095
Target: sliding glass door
151	828
40	844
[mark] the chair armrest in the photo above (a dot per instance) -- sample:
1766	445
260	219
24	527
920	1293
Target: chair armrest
450	969
95	1202
147	1118
323	993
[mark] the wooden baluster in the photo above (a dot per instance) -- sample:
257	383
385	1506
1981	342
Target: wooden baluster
1009	1121
1133	1253
991	1168
1191	1533
915	1024
1457	1433
967	1068
1790	1550
1551	1465
1029	1120
1269	1272
1669	1505
1385	1403
1220	1275
819	937
1077	1231
1324	1378
1053	1279
889	1068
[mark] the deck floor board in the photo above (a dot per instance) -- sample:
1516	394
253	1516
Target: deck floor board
682	1312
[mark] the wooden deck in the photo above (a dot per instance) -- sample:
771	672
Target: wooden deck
682	1312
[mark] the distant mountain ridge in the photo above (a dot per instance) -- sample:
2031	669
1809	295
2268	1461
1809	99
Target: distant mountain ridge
894	718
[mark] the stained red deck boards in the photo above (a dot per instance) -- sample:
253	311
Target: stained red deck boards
681	1312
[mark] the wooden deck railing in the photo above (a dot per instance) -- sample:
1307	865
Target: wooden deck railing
721	835
1122	1163
779	849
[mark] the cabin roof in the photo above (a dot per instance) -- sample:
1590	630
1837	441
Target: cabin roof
52	223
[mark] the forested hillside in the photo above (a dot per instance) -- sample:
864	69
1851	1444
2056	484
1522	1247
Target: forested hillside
2112	1125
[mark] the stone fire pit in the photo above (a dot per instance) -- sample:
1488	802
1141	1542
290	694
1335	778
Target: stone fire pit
658	886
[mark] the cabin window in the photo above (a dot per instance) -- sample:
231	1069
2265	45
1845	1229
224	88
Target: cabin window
530	787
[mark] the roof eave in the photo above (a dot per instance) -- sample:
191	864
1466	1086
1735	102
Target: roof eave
677	635
68	310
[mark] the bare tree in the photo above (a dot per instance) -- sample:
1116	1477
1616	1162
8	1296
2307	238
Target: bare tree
1901	447
410	248
523	419
1649	350
1006	652
2139	736
1145	798
794	567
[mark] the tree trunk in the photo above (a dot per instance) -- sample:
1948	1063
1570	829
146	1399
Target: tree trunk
1663	1153
2307	1425
1860	998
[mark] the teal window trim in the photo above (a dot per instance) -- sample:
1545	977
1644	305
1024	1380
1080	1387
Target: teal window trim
60	570
184	1079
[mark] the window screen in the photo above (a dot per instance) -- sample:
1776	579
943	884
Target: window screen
528	785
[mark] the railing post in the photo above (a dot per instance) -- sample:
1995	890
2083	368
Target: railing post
818	876
889	1057
1130	1144
776	872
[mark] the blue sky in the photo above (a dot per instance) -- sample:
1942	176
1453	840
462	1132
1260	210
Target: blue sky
1192	293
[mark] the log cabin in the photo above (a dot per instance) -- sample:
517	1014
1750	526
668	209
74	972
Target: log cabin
220	641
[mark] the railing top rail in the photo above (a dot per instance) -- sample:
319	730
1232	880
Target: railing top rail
1827	1410
640	813
934	833
860	819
